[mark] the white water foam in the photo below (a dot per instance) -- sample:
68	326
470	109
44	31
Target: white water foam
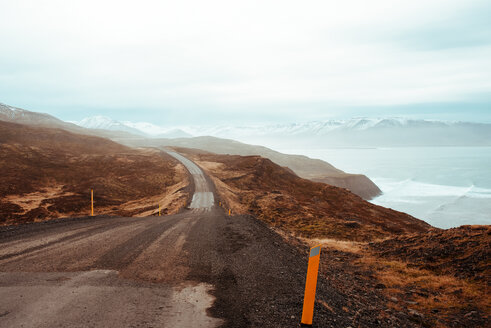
445	186
410	188
443	206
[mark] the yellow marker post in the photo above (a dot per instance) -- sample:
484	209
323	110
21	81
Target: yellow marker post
91	202
310	285
220	204
159	209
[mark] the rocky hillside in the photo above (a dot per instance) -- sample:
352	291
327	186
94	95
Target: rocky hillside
274	194
48	173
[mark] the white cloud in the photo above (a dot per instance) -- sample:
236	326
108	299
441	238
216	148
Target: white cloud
219	56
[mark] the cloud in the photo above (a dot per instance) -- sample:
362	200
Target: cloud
470	27
260	60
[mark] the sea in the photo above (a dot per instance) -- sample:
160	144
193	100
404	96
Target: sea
444	186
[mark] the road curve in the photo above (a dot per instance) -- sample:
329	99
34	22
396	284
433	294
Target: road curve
194	269
203	196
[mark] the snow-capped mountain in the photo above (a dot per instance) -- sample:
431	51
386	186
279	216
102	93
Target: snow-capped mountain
355	132
138	128
316	128
106	123
22	116
19	115
157	131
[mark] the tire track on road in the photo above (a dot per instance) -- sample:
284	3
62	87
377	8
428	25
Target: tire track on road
119	257
72	253
76	236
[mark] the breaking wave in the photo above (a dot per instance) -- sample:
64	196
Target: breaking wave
443	206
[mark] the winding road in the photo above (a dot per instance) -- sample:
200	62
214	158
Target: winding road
203	198
199	268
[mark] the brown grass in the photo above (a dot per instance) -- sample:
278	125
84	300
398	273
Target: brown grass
427	292
48	173
463	252
443	300
340	245
344	224
254	185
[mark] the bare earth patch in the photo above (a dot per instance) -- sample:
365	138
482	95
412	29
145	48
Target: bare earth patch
33	200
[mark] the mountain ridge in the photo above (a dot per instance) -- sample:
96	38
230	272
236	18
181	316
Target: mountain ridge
302	165
138	128
354	132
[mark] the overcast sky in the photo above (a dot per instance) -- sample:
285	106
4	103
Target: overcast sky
210	62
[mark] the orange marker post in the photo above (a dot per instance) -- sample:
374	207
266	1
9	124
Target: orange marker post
91	202
310	285
228	212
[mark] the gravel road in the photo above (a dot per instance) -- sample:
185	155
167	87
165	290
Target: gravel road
199	268
203	198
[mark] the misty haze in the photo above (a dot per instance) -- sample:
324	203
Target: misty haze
256	164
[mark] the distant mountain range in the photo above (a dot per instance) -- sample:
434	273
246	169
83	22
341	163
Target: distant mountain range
22	116
356	132
364	132
122	132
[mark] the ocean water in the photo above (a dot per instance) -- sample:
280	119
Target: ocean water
444	186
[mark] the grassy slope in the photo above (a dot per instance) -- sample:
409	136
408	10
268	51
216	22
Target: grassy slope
433	277
48	173
255	185
308	168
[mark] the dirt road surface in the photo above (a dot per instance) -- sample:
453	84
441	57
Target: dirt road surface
203	196
199	268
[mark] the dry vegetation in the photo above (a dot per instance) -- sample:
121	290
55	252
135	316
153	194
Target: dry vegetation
464	252
427	297
387	263
255	185
48	173
409	272
303	166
